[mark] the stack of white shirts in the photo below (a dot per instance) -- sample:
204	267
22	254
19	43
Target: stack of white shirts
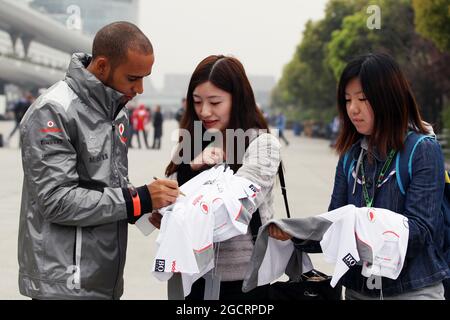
375	237
210	212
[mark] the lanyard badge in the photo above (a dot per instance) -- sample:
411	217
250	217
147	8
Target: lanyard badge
387	163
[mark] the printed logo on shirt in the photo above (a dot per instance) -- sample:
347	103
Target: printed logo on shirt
196	200
121	131
50	128
253	188
220	187
204	207
373	282
174	266
160	265
349	260
371	215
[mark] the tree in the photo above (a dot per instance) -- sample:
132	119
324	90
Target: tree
432	19
307	78
423	64
351	40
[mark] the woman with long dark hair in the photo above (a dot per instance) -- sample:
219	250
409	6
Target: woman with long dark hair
221	103
379	116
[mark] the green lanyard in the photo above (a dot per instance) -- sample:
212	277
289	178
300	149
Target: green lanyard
387	163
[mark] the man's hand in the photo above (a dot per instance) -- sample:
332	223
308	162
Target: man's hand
163	192
155	219
277	233
209	157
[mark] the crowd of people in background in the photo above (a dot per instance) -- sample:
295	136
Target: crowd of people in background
144	123
141	119
18	109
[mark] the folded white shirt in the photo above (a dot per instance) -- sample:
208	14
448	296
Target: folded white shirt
210	212
382	232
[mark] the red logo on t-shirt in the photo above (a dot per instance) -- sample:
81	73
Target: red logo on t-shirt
174	266
371	215
204	207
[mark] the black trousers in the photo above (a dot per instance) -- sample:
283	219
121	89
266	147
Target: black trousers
229	290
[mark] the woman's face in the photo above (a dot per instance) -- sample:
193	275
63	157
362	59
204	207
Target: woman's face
358	107
212	106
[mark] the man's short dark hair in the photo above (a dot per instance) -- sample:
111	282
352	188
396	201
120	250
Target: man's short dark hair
115	39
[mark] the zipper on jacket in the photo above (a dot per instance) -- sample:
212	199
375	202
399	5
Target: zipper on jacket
113	136
117	223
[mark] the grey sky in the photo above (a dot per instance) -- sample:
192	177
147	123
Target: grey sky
263	34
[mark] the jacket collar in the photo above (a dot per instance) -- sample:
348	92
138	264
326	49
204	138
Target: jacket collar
364	143
90	89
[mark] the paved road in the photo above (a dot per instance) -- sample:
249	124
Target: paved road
309	164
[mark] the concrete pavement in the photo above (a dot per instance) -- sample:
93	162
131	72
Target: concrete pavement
309	164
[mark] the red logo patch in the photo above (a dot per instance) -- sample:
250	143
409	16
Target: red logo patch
50	128
121	131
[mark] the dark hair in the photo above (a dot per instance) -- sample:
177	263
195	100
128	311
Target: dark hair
115	39
228	74
388	92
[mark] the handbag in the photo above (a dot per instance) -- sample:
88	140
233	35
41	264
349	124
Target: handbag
311	285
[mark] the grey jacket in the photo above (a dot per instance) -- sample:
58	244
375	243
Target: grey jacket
73	217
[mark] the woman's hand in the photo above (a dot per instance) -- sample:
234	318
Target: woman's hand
277	233
209	157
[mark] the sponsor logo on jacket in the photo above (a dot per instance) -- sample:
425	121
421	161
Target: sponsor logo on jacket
121	133
51	141
100	157
50	128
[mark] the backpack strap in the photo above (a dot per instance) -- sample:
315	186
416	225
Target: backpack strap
403	160
255	221
349	161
